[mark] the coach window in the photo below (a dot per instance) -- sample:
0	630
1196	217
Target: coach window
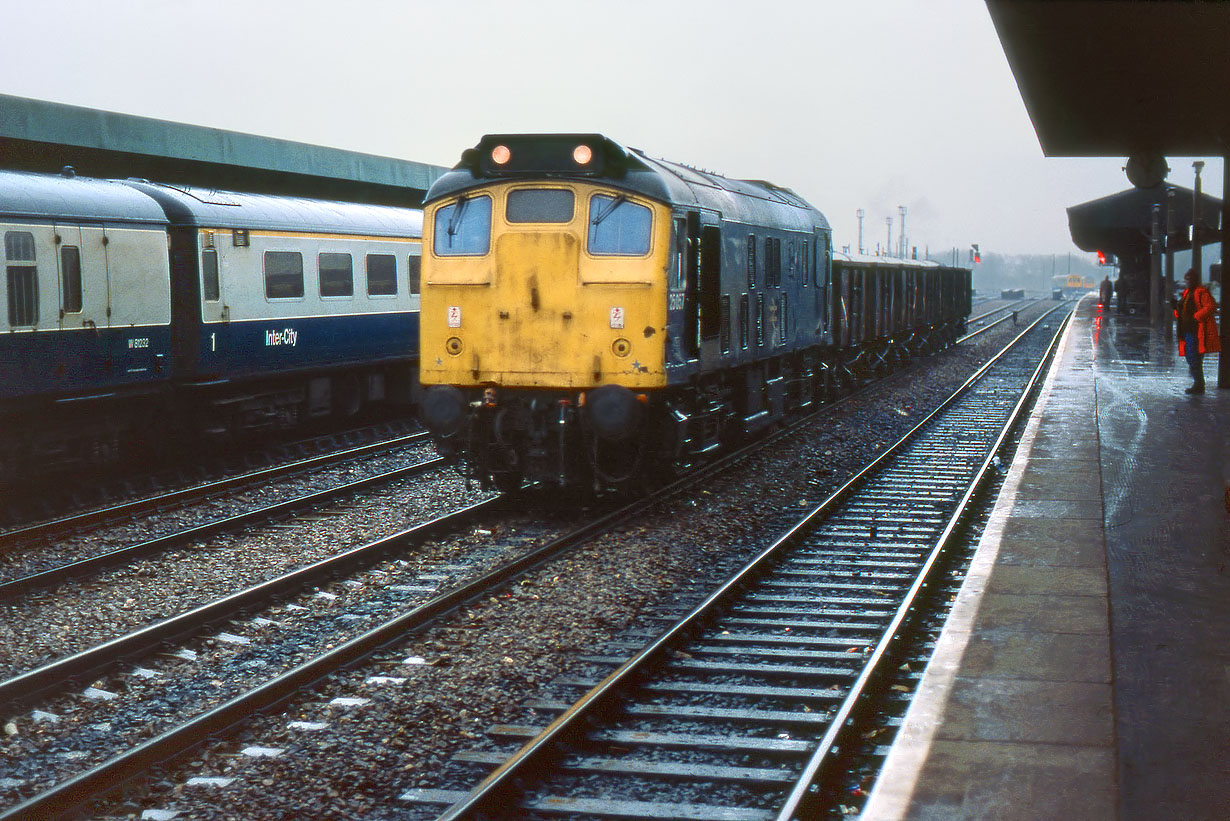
336	274
22	278
70	279
540	205
618	227
283	275
416	273
381	275
463	228
209	276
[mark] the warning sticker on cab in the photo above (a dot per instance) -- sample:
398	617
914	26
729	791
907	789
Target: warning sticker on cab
454	316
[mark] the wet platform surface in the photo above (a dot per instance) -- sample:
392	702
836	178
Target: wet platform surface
1085	671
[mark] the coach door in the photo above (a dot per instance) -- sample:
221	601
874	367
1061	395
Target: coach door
84	309
69	285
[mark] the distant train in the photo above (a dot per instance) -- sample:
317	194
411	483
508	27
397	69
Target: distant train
1073	285
593	317
132	309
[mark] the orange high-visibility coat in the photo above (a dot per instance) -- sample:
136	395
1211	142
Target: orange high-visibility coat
1207	340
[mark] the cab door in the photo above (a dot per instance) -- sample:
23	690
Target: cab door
820	278
691	288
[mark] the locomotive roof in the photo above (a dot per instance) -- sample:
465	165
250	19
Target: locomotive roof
47	197
629	169
209	208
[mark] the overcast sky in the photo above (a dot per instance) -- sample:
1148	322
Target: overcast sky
870	104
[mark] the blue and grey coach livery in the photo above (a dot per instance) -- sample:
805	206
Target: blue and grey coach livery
133	308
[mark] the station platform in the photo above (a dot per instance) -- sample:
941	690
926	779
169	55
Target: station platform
1085	670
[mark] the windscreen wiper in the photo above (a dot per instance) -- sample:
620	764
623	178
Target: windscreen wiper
454	220
606	212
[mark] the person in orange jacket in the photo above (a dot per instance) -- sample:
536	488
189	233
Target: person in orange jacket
1197	334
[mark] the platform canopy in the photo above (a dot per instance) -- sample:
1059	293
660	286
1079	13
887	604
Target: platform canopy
1124	221
42	136
1105	78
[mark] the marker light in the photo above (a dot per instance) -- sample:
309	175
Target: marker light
500	155
582	154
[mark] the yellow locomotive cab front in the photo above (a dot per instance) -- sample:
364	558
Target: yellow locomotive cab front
545	286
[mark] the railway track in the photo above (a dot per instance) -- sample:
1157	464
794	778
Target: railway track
15	587
1010	312
83	787
97	507
740	709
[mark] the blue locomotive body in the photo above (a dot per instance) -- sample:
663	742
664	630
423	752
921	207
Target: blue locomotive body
594	316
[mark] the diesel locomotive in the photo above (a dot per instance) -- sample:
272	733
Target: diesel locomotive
133	309
595	317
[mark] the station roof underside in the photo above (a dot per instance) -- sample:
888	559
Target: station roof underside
43	136
1104	78
1123	220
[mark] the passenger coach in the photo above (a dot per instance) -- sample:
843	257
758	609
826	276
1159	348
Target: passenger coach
289	308
133	309
86	319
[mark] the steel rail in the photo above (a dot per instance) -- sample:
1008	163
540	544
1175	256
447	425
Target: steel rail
73	793
11	589
9	690
502	783
1021	303
24	688
991	325
162	500
824	753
